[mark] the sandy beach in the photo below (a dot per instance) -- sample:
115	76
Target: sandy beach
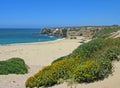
37	55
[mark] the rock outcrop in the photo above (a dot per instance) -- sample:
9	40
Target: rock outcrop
60	32
74	32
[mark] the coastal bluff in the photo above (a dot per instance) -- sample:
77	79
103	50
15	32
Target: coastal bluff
75	32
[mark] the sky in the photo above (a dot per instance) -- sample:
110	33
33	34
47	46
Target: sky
57	13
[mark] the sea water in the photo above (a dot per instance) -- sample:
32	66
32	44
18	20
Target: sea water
27	35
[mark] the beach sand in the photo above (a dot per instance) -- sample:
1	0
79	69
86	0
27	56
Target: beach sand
38	55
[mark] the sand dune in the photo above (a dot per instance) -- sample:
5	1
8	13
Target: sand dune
37	55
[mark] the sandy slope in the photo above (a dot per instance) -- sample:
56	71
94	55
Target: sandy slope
36	55
115	34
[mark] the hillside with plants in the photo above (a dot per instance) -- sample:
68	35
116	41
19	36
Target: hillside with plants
106	32
90	62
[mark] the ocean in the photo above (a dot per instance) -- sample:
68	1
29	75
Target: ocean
12	36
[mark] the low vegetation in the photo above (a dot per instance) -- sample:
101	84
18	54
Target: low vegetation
90	62
106	32
13	66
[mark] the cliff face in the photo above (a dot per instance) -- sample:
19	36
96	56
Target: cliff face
59	32
74	32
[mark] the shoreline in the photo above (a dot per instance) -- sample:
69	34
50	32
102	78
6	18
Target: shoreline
19	50
33	42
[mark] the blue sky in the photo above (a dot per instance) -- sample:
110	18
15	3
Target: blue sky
50	13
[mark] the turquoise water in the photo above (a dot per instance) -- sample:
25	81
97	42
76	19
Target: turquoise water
12	36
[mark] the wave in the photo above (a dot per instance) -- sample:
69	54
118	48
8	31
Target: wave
59	39
51	36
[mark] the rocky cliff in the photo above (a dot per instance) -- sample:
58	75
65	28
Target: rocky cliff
74	32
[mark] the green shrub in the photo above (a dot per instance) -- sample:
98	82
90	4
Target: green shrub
92	70
87	49
13	66
111	54
89	62
86	72
51	75
31	82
